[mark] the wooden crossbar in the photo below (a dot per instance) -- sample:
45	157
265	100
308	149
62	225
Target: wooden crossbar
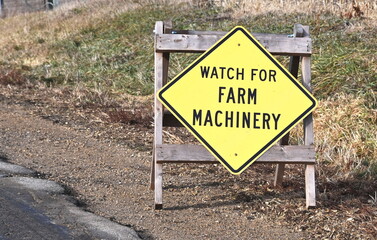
298	46
185	153
274	43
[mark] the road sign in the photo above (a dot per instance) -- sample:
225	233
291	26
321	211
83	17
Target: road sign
237	99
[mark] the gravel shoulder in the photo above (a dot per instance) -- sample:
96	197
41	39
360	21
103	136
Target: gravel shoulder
106	167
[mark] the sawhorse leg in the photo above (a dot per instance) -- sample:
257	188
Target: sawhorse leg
310	185
161	61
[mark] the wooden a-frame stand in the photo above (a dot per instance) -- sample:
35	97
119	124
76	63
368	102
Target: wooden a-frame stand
297	46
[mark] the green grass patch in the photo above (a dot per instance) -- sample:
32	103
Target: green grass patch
114	54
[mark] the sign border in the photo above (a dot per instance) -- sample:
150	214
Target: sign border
200	138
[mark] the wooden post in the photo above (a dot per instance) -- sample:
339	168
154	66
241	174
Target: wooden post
158	114
161	77
308	140
308	132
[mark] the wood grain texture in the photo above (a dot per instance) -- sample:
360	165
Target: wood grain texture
275	44
158	114
184	153
308	121
310	186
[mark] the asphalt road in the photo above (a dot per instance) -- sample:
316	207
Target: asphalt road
32	208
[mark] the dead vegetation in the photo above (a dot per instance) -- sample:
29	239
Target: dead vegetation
344	8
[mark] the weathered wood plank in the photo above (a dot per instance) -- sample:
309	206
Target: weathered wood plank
167	26
158	114
222	33
310	186
276	44
308	140
310	189
183	153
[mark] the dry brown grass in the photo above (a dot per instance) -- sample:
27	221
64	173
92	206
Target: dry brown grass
346	135
345	8
30	32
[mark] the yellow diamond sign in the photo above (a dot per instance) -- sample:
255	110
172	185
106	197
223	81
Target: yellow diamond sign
237	99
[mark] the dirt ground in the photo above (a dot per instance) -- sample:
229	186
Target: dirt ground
101	153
